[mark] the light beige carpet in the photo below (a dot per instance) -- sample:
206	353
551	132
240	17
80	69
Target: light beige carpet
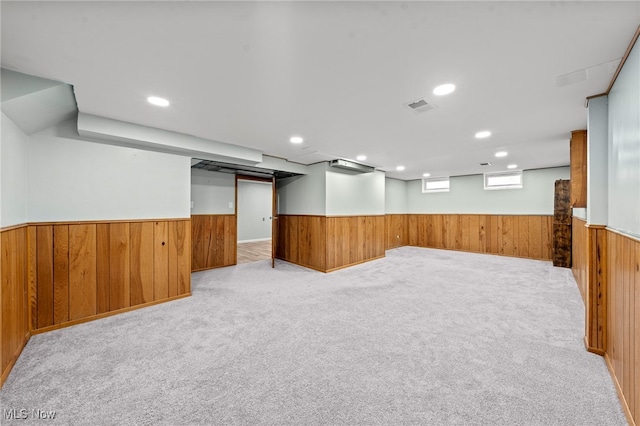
421	337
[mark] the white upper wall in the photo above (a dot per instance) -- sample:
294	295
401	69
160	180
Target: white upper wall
254	210
304	194
350	194
395	199
212	192
624	148
597	161
467	195
73	180
13	175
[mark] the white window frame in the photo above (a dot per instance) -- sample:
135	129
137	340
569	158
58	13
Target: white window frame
511	173
427	181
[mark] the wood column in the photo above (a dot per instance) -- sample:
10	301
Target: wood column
562	225
578	168
596	290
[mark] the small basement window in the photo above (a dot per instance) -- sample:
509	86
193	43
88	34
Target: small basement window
435	184
503	180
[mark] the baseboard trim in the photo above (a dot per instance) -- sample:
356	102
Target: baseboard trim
254	240
623	401
354	264
213	267
106	314
593	350
302	264
479	252
13	360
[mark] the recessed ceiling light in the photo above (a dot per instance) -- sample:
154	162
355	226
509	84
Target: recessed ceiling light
444	89
400	168
154	100
296	139
501	154
426	174
361	157
512	166
483	134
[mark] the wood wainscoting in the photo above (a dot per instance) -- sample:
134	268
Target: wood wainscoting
14	297
83	270
214	241
329	243
396	230
527	236
622	301
579	254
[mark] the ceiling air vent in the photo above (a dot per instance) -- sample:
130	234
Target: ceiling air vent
421	106
485	164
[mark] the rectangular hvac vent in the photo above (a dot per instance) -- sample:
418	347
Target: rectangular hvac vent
485	164
421	105
351	165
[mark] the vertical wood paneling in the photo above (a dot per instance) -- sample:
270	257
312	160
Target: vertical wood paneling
103	268
44	259
141	269
82	271
161	260
396	230
179	267
412	229
32	276
579	251
483	231
623	319
329	243
14	301
523	236
119	265
213	241
72	272
494	235
535	237
60	274
475	238
578	168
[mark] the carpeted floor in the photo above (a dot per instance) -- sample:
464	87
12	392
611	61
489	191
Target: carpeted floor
421	337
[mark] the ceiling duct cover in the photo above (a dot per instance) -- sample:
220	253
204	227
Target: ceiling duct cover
351	165
421	106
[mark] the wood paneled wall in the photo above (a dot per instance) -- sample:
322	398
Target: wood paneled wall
14	297
214	241
578	169
520	236
579	254
623	319
396	230
330	243
354	239
84	270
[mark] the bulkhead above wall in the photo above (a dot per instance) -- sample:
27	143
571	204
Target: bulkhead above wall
35	103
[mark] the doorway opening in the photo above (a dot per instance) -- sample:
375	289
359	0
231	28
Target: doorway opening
254	202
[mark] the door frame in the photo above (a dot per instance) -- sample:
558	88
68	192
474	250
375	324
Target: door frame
274	211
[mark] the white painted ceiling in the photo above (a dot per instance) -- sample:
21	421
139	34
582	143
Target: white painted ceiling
337	73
